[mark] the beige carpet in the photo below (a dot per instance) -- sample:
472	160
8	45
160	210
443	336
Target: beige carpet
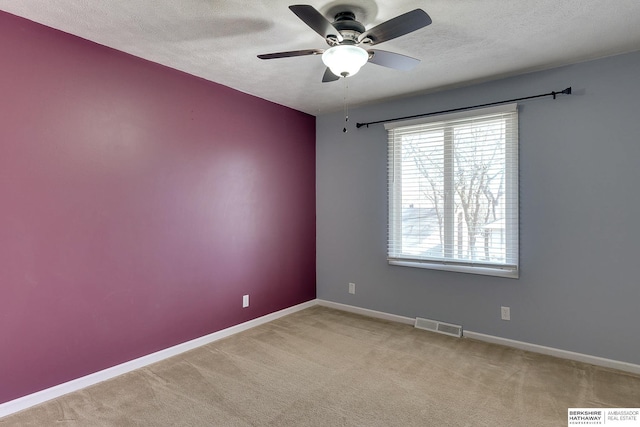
322	367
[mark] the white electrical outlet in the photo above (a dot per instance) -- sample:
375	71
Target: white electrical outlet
352	288
505	313
245	301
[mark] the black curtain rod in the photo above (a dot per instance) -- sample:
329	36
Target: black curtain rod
567	91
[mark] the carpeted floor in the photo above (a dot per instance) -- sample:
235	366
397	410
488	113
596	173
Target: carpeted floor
323	367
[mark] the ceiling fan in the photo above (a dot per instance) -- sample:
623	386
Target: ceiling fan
344	35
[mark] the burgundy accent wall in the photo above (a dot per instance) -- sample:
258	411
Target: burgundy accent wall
137	205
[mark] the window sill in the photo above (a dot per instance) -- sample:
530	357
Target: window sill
485	271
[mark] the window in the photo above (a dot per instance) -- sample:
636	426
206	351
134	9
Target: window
453	192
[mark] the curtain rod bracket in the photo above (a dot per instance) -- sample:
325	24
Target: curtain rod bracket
567	91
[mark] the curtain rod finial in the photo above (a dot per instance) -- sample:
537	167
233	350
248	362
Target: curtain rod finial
567	91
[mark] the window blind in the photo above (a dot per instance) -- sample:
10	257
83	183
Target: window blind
453	191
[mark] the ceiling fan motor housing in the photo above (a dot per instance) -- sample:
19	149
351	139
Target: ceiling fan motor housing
349	28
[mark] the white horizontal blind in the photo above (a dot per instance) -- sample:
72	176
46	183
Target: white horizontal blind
453	192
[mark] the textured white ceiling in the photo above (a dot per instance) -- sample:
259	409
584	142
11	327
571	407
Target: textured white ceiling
469	41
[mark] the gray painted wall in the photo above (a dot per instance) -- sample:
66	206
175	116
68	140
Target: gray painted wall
579	287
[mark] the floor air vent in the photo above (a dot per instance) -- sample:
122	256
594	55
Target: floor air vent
440	327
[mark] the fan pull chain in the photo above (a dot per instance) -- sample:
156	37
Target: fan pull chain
346	104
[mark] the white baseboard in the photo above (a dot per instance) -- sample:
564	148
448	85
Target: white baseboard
28	401
534	348
367	312
42	396
556	352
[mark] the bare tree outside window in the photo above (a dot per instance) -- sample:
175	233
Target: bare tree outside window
479	185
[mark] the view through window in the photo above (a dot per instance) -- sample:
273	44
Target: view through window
453	199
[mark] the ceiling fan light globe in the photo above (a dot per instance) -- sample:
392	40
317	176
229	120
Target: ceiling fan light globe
345	60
